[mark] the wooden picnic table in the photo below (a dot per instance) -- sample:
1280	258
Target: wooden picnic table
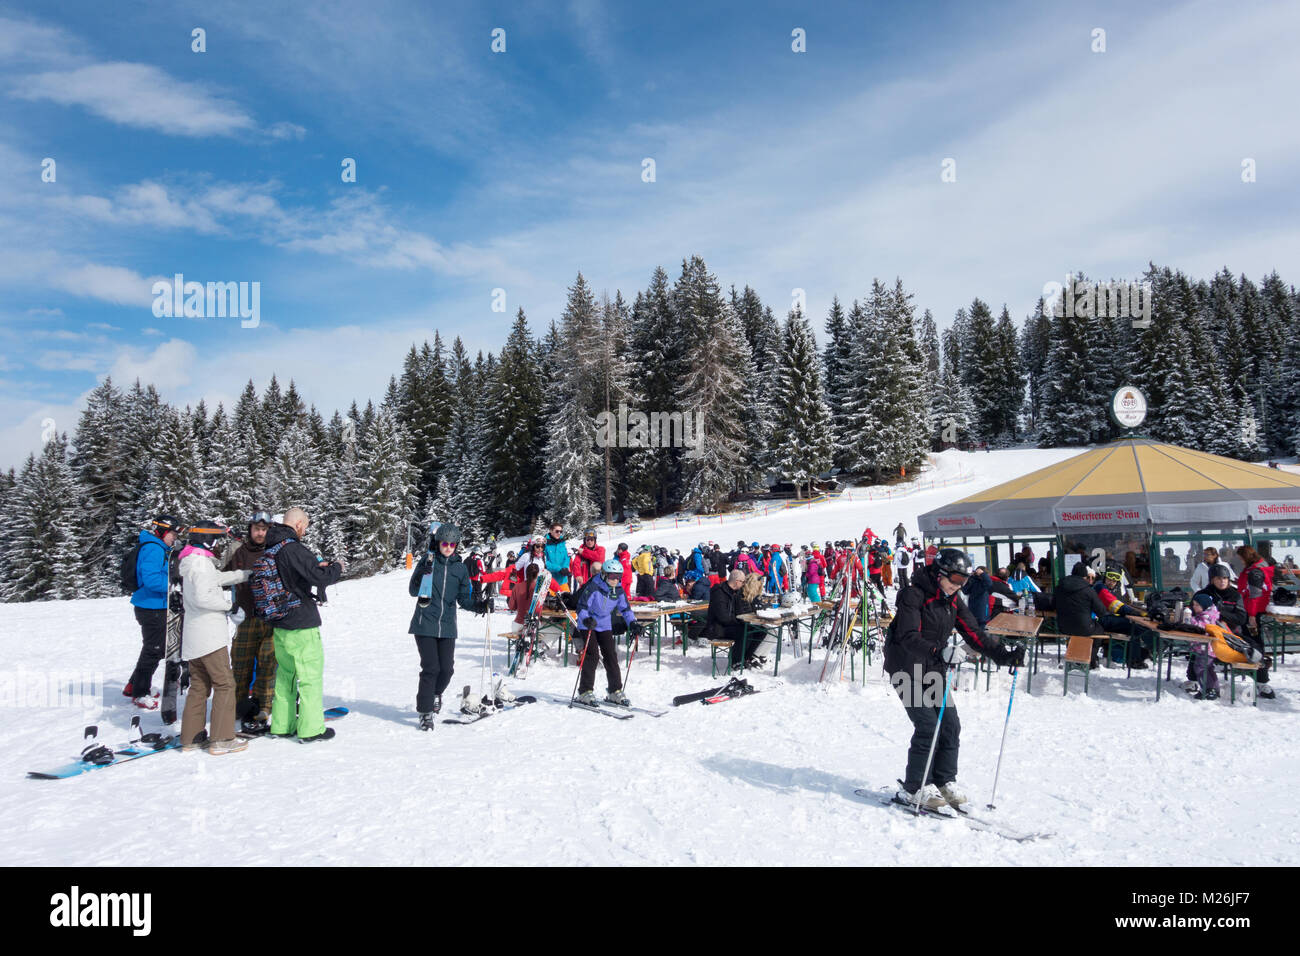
787	616
1022	626
654	613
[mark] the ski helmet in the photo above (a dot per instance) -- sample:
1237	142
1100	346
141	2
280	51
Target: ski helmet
754	544
588	533
536	540
952	561
447	532
612	566
206	536
701	546
164	523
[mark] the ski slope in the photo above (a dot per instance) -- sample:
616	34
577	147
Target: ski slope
1117	778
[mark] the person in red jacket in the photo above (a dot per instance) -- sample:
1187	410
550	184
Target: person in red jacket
1256	586
590	555
625	558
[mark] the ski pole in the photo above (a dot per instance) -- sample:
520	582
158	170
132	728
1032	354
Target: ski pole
1015	675
934	742
581	658
631	658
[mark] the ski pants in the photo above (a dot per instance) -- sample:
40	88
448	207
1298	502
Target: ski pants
254	648
902	578
210	674
437	664
299	705
600	646
814	592
924	719
153	635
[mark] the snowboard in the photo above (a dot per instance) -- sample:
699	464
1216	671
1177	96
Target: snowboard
425	594
140	745
331	713
172	647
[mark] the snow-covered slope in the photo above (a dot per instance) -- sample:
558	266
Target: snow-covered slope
1116	777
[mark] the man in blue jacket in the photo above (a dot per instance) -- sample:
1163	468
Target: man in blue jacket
150	602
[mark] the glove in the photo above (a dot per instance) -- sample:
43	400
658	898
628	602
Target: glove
482	607
1013	655
636	629
236	616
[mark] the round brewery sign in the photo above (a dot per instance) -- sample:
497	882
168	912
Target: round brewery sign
1128	406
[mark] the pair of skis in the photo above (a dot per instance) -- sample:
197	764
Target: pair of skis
890	799
736	687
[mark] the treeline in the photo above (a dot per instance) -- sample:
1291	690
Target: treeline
505	442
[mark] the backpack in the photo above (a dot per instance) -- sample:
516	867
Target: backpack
272	601
904	558
130	560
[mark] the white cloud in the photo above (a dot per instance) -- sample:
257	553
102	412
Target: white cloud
108	283
167	366
139	95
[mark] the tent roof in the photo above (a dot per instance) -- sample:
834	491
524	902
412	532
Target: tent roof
1124	485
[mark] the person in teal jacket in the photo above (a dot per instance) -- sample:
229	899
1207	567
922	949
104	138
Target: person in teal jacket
434	620
557	554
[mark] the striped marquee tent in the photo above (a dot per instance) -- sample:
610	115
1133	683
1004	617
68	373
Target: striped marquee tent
1134	484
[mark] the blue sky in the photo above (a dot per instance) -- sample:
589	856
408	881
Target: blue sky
479	171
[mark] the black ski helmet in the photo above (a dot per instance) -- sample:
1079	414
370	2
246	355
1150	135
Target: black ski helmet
206	535
951	561
446	532
164	523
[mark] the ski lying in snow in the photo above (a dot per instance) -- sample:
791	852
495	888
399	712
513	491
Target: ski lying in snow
489	711
889	799
96	756
635	710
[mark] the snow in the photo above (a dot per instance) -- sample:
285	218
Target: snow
1117	778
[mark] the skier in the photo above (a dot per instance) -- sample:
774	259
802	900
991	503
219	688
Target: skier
434	623
534	552
902	562
775	580
204	641
299	654
599	602
149	599
587	560
814	573
917	657
254	644
644	566
900	535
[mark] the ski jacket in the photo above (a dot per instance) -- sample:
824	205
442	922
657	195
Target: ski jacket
598	605
1115	605
815	570
207	602
644	563
451	586
300	571
243	558
665	590
557	559
724	606
1255	605
923	619
1076	606
697	562
586	558
1228	601
527	558
151	573
745	562
979	590
776	573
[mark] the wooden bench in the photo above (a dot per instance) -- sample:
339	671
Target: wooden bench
1078	656
1231	670
714	647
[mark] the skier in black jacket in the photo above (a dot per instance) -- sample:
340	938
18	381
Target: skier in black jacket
297	706
917	656
434	620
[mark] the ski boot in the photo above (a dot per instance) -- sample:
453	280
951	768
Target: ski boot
1265	692
952	793
426	721
437	703
1192	687
587	699
929	798
618	697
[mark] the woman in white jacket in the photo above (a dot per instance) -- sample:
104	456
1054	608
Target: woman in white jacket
205	641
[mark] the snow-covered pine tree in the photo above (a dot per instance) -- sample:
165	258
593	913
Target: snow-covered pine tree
1034	341
656	343
1011	391
981	371
514	434
385	496
230	486
802	439
43	530
105	474
715	389
570	458
295	476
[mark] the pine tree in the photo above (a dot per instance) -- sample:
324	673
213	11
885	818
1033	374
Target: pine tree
42	530
801	431
384	499
570	459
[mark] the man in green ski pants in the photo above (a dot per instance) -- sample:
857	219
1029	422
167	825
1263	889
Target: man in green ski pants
299	654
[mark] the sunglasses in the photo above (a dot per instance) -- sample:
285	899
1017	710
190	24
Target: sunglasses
448	544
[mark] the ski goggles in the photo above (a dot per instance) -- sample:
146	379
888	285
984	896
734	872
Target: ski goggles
262	517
